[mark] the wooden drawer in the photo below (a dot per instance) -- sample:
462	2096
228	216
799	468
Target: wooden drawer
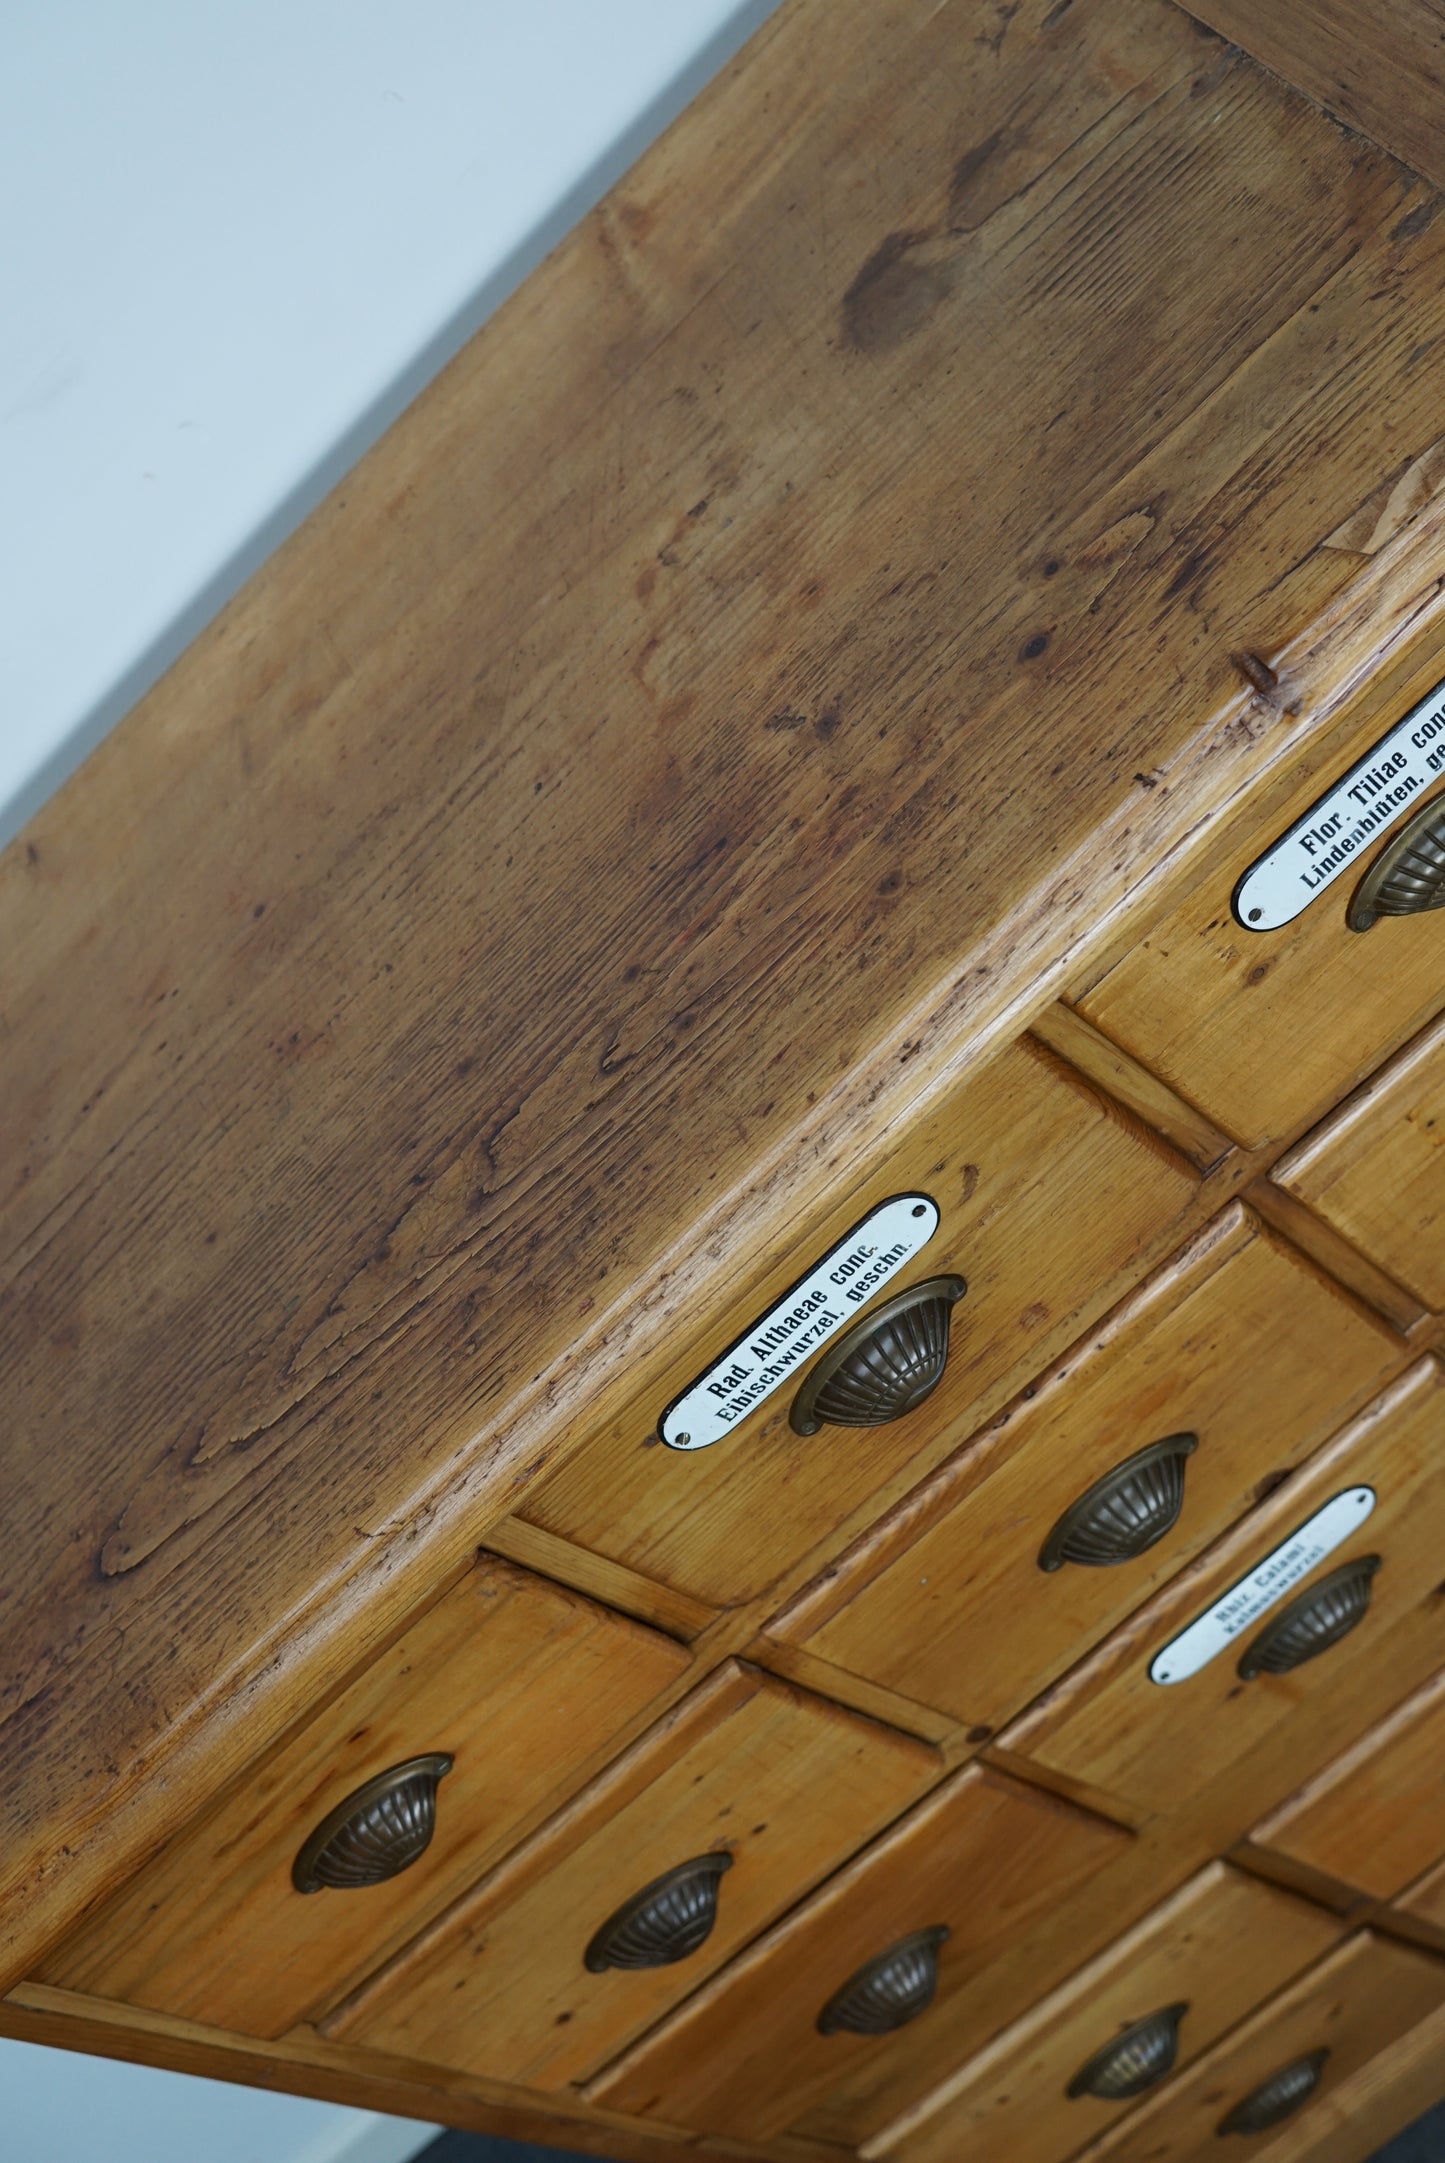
1155	1746
1354	2003
518	1680
1426	1899
1219	1947
1263	1031
1236	1342
1376	1171
1048	1197
784	1784
1376	1818
984	1857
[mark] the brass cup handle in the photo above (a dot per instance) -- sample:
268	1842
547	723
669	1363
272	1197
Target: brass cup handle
379	1830
889	1990
1313	1621
1123	1515
1134	2060
1277	2098
663	1921
888	1362
1408	876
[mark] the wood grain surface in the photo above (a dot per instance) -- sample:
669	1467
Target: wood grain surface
728	702
1266	1030
1049	1201
1376	1818
870	2092
1367	2109
789	1785
1235	1341
1377	65
984	1856
523	1684
1107	1723
1355	2003
1012	2100
1373	1171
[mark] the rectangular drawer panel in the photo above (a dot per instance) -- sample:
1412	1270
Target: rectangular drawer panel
984	1856
1356	2002
1426	1900
1263	1031
1376	1818
1220	1946
1047	1197
788	1785
518	1680
1376	1171
1155	1745
1236	1342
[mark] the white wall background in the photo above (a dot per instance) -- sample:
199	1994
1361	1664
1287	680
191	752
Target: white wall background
236	238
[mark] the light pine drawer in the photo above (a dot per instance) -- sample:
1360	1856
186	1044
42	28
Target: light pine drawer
784	1785
516	1679
983	1857
1352	2005
1237	1345
1263	1031
1375	1819
1157	1746
1048	1198
1425	1900
1376	1170
1218	1948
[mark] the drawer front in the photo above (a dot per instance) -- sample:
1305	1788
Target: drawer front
1263	1031
1157	1746
1426	1900
1047	1197
1353	2004
1376	1818
513	1678
1376	1171
983	1858
1219	1948
782	1785
1237	1347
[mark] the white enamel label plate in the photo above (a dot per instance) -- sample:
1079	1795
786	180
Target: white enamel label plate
1330	837
1278	1574
781	1341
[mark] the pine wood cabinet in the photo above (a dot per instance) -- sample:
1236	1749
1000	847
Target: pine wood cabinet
1184	1967
1265	1031
518	1681
983	1859
747	1769
778	728
1309	2040
1372	1170
1154	1743
1375	1819
1236	1351
1049	1199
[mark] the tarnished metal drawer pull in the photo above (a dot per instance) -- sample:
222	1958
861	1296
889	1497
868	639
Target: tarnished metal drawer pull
885	1365
1277	2098
665	1921
1406	878
377	1832
1313	1620
889	1991
1138	2058
1123	1514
